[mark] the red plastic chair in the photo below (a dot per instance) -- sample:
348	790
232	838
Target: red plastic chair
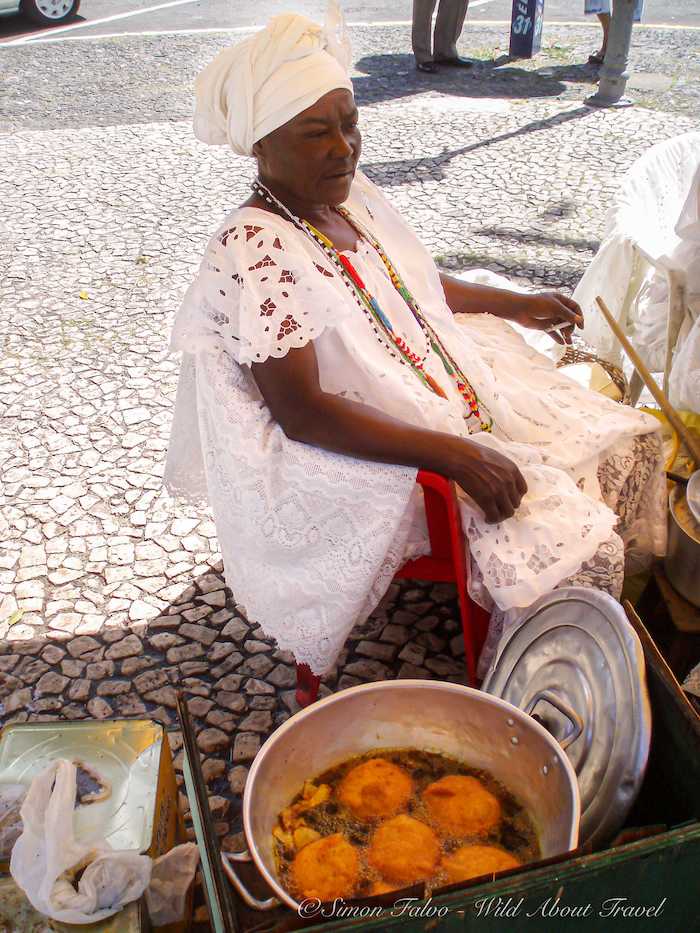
446	563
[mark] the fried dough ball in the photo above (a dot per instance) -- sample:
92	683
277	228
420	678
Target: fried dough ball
404	850
381	887
461	806
473	861
375	789
326	869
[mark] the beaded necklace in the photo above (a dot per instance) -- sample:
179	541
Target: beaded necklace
381	324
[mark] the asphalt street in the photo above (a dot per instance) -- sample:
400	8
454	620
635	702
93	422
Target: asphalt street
109	17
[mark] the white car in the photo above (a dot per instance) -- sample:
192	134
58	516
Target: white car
43	12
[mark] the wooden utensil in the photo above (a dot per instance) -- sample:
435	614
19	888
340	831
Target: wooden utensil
690	442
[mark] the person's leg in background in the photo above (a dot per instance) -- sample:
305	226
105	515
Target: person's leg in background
602	10
421	34
448	28
605	23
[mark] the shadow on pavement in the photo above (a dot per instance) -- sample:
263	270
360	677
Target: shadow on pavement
532	236
582	73
388	77
403	170
532	274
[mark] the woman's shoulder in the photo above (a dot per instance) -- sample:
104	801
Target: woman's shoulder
249	228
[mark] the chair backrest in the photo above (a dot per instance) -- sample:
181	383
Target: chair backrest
649	201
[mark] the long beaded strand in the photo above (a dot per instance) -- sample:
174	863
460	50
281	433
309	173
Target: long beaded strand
376	316
451	368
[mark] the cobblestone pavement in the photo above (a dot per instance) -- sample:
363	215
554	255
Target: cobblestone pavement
110	595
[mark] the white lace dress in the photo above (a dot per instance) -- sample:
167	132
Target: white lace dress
311	539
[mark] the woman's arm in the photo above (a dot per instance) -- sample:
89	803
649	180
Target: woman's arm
291	389
539	312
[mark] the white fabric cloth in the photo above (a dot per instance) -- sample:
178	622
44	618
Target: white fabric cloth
260	84
684	380
311	539
645	214
651	309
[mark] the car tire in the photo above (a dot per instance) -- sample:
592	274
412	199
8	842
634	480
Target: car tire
50	12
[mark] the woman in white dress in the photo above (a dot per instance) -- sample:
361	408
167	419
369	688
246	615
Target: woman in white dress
326	360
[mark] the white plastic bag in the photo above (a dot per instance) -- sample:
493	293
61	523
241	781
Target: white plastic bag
170	881
11	797
47	854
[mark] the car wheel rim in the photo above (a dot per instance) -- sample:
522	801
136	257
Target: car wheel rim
55	9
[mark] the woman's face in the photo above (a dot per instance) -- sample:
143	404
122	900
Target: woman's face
313	157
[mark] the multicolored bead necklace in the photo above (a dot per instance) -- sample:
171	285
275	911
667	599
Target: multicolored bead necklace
381	324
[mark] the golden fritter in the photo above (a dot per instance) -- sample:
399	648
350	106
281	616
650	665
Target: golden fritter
375	789
461	806
404	850
326	869
381	887
473	861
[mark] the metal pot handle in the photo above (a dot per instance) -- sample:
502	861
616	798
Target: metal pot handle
226	858
547	696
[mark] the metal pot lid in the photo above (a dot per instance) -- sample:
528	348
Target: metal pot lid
576	665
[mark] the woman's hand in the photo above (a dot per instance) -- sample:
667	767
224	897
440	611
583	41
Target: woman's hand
493	481
546	311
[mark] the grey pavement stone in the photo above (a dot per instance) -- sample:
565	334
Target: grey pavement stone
246	746
237	779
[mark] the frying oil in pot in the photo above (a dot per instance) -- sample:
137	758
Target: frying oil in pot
391	818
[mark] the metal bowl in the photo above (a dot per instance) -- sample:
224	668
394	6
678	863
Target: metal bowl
463	723
682	562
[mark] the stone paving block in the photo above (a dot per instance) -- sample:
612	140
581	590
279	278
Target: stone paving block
50	683
150	680
212	740
198	632
259	665
246	746
257	721
413	653
166	696
376	650
110	688
231	701
237	779
185	652
236	629
130	646
396	634
368	670
99	708
131	666
73	669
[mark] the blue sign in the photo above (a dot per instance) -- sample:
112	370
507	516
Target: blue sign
526	28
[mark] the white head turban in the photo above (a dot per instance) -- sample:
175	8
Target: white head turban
258	85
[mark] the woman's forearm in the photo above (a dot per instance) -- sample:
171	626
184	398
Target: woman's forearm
346	427
343	426
470	298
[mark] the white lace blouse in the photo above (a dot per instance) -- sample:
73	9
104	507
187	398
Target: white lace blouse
311	539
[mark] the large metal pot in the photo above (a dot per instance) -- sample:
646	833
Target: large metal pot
682	563
474	727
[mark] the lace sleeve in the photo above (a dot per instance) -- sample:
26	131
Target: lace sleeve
259	293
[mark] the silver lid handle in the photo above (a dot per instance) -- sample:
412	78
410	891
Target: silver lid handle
547	696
